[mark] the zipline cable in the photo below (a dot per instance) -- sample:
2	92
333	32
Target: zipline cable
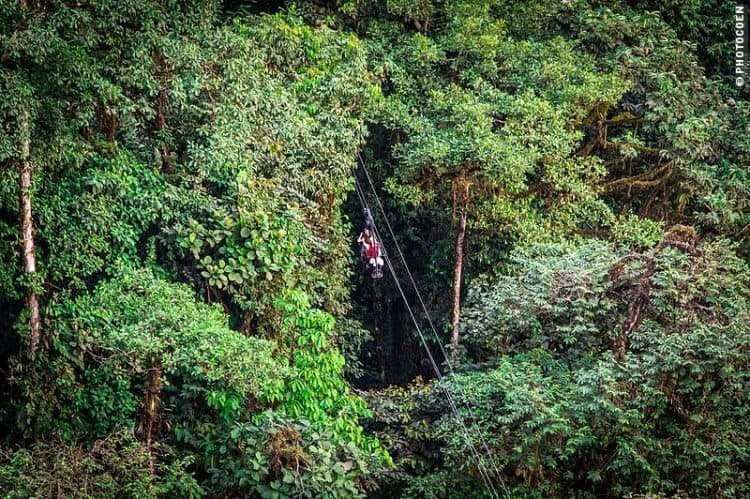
466	404
480	465
432	326
485	477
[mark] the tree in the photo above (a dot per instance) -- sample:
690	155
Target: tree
472	129
674	143
27	231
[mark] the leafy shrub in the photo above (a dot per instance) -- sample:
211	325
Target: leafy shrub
277	456
310	443
115	466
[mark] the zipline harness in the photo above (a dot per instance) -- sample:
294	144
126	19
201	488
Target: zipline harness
481	466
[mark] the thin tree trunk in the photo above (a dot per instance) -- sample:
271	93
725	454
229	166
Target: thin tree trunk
161	124
457	269
635	315
161	111
27	231
151	407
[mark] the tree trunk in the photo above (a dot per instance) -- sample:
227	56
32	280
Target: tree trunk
457	268
151	401
27	231
635	315
160	123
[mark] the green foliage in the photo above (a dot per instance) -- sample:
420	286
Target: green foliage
311	443
98	215
168	143
316	390
577	302
349	339
677	133
310	331
637	232
564	409
212	144
275	456
116	466
702	22
106	344
254	252
275	161
556	300
443	484
109	344
471	108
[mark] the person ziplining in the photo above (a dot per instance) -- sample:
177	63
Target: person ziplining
370	249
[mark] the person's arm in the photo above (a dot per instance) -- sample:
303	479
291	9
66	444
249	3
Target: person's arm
369	223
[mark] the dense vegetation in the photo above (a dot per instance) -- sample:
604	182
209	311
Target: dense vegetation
182	310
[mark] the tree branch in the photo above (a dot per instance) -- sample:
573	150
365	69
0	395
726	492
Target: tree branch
644	149
641	181
625	118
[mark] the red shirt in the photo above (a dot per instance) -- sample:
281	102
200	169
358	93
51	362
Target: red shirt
373	251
